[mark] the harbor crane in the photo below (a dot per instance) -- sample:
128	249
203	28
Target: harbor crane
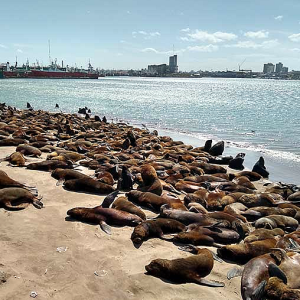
241	70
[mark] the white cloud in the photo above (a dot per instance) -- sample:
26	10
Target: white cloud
261	34
146	35
207	48
252	45
295	49
278	18
295	37
216	37
19	51
185	30
3	46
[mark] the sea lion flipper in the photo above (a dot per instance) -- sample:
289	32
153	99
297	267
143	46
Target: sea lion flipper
38	204
216	257
8	204
109	199
211	283
106	228
60	182
194	209
189	248
275	271
259	291
294	245
235	272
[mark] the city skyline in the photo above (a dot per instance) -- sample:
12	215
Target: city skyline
133	35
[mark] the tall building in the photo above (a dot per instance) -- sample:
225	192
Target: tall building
279	67
157	69
269	68
285	70
173	68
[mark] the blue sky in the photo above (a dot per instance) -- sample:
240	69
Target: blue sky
124	34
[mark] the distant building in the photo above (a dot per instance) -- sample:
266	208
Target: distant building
157	69
284	70
173	68
269	68
279	67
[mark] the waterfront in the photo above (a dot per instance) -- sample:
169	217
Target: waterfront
258	115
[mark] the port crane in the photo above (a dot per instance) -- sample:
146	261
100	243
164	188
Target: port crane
241	70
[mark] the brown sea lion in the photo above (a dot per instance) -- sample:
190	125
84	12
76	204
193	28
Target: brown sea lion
155	228
244	181
16	159
150	180
277	289
87	184
263	234
50	165
209	168
29	150
12	142
104	216
66	174
243	252
295	197
253	176
105	177
123	204
260	168
182	270
18	198
262	199
217	149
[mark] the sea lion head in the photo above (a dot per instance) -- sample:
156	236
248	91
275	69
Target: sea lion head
157	268
265	223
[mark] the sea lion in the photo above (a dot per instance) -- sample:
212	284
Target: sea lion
217	149
104	216
155	228
243	252
87	184
125	182
50	165
12	142
66	174
295	197
262	199
123	204
16	159
277	221
277	289
29	150
253	176
262	234
237	162
244	181
260	168
151	181
18	198
105	177
191	269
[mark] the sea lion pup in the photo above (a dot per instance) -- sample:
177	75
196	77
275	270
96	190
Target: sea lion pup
123	204
155	228
104	216
244	181
105	177
151	200
16	159
237	162
66	174
87	184
217	149
191	269
277	221
18	198
29	150
50	165
277	289
151	181
125	182
243	252
260	168
262	234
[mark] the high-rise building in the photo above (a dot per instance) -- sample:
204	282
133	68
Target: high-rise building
173	68
279	67
269	68
157	69
285	70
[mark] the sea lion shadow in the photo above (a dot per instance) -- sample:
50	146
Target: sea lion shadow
164	280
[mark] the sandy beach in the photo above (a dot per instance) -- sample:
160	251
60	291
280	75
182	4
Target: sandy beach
94	265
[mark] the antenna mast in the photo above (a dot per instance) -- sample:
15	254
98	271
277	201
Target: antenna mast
49	52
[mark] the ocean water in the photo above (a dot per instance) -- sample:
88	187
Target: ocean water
260	117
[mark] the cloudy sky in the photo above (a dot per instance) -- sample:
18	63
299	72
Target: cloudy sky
124	34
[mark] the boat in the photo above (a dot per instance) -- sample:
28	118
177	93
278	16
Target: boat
54	71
